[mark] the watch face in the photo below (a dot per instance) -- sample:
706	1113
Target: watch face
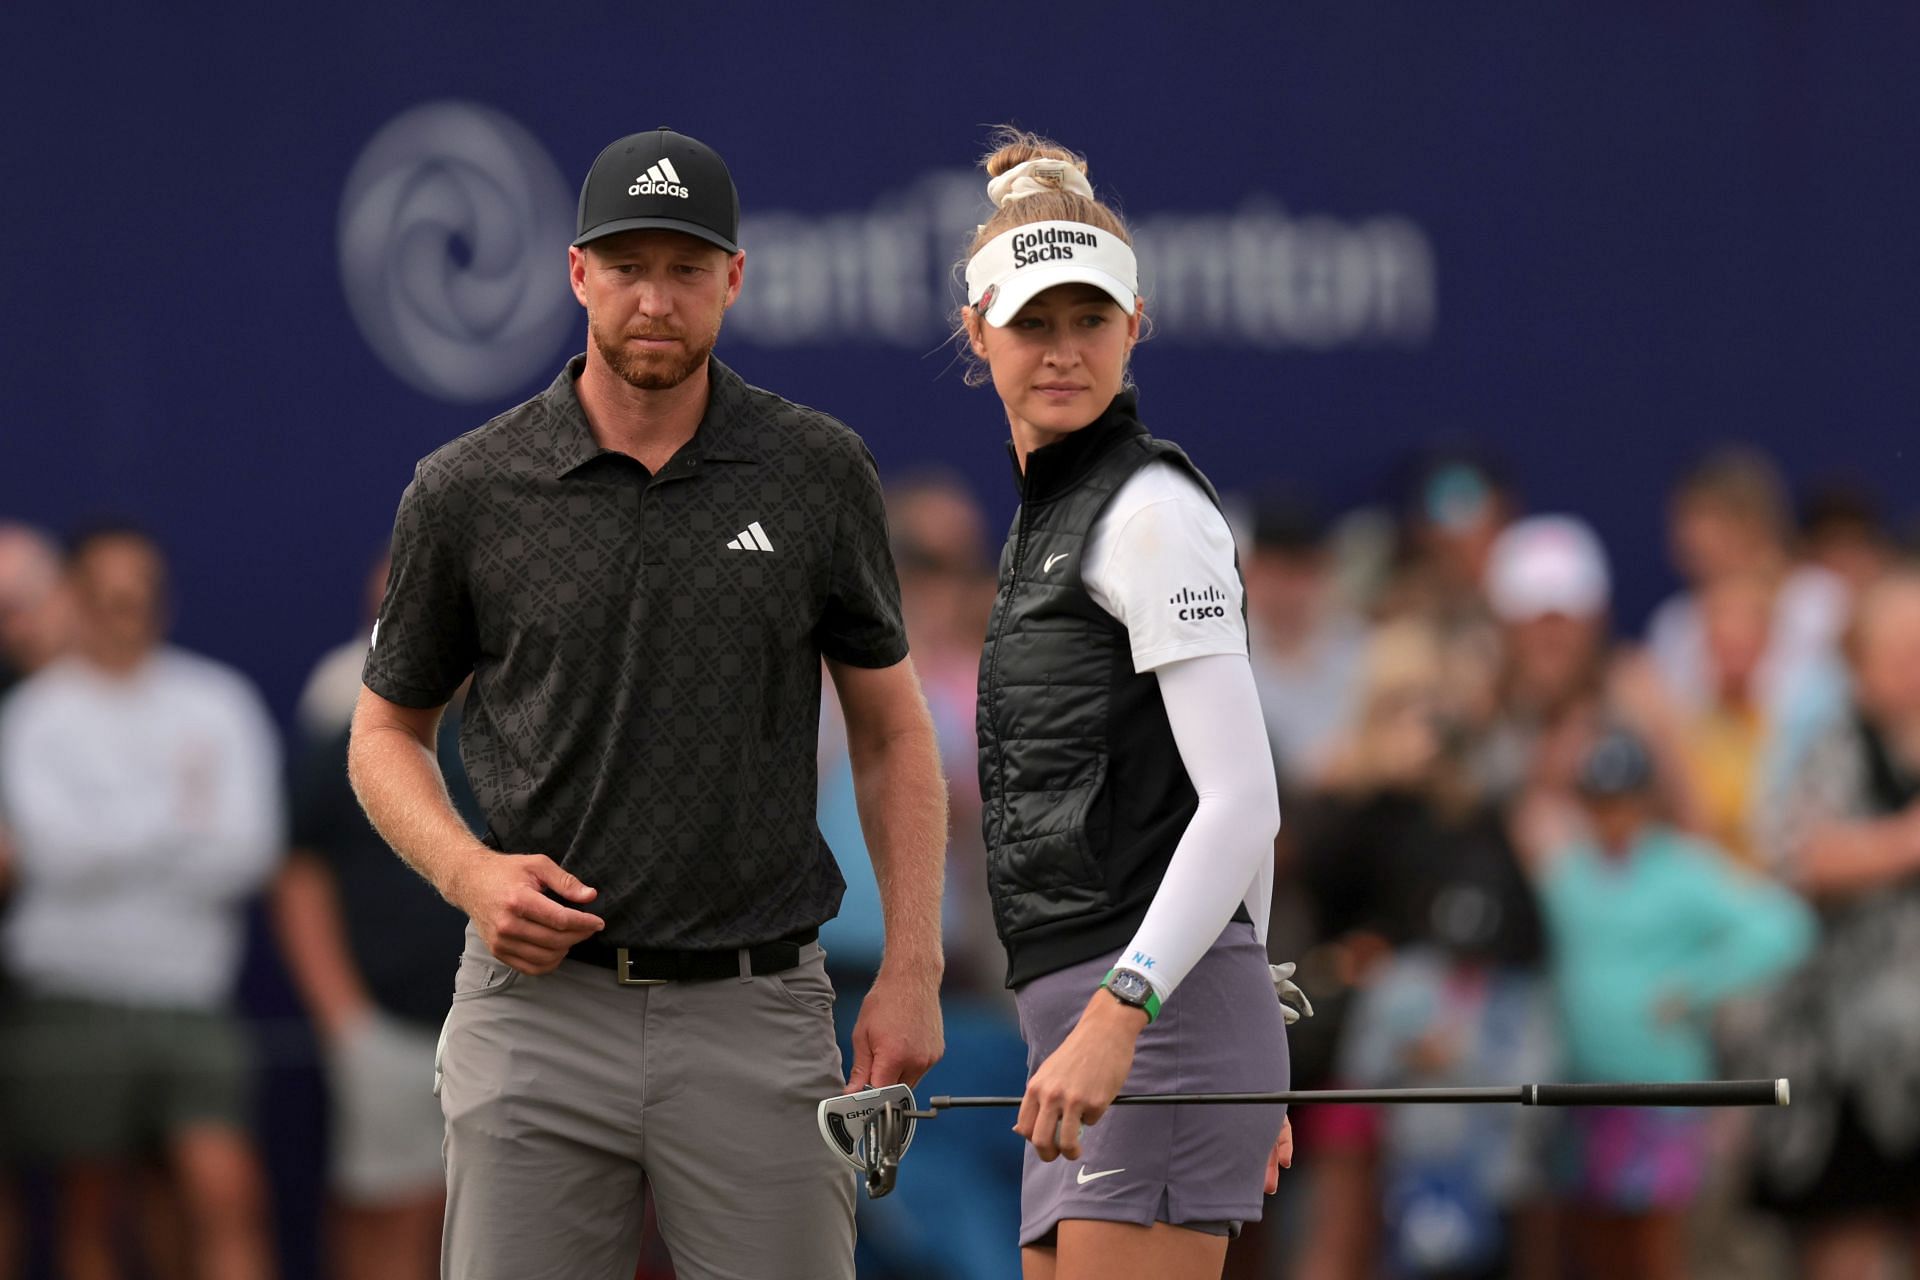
1129	986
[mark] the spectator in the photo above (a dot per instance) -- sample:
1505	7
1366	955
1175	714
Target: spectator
141	784
1451	1011
1842	531
1452	518
954	1222
1729	518
333	686
1307	645
1842	1165
1433	927
36	619
1726	737
1561	679
1455	509
1650	932
372	950
946	593
35	625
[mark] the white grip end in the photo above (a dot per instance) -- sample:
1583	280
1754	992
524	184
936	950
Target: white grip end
1781	1094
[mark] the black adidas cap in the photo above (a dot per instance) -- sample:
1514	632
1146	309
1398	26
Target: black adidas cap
660	179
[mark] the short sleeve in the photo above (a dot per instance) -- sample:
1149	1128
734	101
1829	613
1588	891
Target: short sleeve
860	624
1161	561
425	642
314	796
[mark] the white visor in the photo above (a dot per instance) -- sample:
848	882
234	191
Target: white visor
1015	265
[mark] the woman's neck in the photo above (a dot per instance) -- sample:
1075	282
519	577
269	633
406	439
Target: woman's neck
1027	437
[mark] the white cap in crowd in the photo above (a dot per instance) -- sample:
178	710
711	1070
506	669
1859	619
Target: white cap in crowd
1548	564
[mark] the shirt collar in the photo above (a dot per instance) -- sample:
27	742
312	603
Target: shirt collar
724	434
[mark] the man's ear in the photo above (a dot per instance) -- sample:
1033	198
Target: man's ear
736	275
577	272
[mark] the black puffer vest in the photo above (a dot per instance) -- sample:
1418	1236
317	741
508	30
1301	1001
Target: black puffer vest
1083	794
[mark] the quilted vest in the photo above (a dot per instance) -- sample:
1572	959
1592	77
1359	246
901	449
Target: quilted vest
1084	797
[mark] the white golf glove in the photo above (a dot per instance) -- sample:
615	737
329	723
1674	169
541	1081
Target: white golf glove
1294	1004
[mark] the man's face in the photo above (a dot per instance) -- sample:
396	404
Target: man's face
119	586
654	302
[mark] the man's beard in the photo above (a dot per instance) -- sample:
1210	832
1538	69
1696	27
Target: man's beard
652	371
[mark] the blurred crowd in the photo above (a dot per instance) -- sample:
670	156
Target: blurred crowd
1525	839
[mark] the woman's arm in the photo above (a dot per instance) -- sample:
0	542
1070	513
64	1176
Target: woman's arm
1227	849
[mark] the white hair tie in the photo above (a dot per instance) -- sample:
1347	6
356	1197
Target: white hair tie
1037	178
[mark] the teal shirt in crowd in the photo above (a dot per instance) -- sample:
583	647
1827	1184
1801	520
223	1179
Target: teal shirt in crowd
1674	923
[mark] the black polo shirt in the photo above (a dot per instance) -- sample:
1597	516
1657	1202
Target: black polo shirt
646	648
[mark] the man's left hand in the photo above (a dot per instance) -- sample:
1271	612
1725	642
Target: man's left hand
898	1035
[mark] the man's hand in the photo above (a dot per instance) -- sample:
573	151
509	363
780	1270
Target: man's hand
1282	1156
504	895
898	1034
1080	1079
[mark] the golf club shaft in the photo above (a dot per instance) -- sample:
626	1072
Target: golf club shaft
1696	1093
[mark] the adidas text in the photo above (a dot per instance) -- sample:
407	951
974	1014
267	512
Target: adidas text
659	180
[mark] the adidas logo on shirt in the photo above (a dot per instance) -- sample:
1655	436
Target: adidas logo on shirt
752	538
1197	606
659	180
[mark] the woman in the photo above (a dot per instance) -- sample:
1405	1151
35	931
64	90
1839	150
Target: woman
1127	786
1842	1165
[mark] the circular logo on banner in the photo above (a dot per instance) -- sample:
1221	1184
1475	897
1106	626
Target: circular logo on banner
453	235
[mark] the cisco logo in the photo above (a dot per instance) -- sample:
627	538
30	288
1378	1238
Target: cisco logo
453	230
1198	606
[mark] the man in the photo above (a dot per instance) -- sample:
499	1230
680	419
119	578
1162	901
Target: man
35	618
141	787
642	568
367	944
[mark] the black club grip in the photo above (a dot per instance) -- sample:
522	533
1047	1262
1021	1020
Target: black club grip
1705	1093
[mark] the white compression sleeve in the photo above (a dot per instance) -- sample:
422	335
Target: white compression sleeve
1225	857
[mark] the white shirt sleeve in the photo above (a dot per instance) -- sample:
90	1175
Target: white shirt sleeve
1225	856
68	835
1160	560
232	827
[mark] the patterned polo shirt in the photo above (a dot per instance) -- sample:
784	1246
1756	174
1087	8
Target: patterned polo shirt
646	648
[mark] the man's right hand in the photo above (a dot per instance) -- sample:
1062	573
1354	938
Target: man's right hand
504	895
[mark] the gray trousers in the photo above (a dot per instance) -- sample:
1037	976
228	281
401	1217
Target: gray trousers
560	1091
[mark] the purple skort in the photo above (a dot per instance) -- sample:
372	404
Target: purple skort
1201	1167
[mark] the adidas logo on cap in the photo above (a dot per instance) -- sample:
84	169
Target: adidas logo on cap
659	180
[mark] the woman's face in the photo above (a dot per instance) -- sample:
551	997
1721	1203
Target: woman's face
1887	655
1059	362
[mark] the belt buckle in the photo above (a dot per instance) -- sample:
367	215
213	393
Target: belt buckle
623	972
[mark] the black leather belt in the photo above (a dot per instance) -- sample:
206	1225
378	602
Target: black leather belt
643	967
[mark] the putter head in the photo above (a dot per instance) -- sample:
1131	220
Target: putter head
870	1130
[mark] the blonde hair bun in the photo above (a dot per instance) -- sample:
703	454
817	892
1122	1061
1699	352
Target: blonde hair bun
1013	146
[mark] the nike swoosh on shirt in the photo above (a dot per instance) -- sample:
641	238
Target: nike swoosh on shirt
1083	1177
1048	568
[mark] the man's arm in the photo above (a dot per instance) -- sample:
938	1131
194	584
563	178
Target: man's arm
231	821
396	775
313	940
903	814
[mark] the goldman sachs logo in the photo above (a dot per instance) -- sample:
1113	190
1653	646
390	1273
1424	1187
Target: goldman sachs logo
1049	245
448	227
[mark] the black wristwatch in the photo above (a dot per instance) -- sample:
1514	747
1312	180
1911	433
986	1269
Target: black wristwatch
1129	987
